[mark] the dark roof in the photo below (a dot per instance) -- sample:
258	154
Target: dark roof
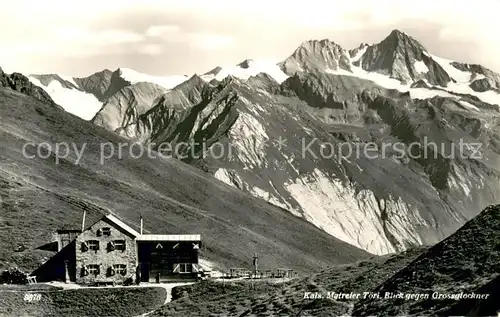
121	224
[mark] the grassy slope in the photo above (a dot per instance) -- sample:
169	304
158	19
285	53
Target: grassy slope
38	196
468	261
265	299
83	302
486	307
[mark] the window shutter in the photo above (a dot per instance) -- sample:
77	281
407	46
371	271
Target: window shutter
97	248
85	247
98	271
124	245
195	267
111	246
84	271
99	232
177	268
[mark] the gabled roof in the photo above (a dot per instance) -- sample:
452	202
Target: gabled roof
122	225
169	237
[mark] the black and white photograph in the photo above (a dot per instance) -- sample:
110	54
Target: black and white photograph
249	158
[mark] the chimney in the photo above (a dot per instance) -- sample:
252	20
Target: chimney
255	258
83	220
142	224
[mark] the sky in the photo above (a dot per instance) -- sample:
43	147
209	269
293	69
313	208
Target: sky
171	37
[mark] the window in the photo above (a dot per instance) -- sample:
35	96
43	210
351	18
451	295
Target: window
185	268
93	269
119	244
106	231
120	269
93	245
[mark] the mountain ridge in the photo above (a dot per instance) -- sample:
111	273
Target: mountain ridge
409	64
38	196
247	109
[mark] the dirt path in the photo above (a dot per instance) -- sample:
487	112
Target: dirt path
168	289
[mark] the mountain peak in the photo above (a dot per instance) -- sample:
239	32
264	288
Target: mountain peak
247	63
192	82
398	38
319	44
397	33
214	71
403	58
20	83
263	81
316	55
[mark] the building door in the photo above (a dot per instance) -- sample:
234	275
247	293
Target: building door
144	272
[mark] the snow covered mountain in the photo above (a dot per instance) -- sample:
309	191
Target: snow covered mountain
324	97
84	97
312	56
245	70
398	62
381	205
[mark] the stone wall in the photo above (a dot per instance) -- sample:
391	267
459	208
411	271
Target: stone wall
105	257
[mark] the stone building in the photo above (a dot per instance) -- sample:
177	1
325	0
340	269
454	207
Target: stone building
110	251
106	252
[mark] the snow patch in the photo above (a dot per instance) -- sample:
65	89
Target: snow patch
359	54
424	93
455	73
469	106
463	80
385	81
167	82
490	97
391	83
74	101
420	67
255	67
461	86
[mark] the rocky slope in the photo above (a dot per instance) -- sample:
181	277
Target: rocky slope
21	83
426	198
301	140
102	84
43	187
314	56
127	104
403	58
